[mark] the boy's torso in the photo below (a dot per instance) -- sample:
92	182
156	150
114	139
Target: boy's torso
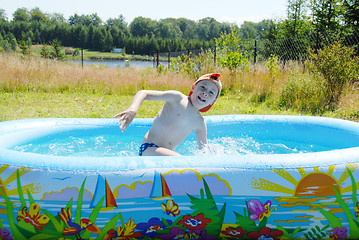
173	124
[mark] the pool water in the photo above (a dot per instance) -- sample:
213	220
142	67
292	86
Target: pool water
243	138
109	146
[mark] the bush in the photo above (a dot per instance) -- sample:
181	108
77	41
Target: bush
229	52
338	65
303	92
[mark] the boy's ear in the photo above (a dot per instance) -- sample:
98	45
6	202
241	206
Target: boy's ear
190	93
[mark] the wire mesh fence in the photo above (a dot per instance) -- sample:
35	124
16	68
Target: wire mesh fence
294	48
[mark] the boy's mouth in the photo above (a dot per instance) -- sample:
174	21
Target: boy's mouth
201	99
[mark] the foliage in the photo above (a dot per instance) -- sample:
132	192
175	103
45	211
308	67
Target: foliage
316	233
55	52
327	14
25	47
334	221
338	65
193	65
229	52
8	43
296	11
303	92
142	36
273	67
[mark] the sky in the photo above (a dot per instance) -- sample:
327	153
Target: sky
232	11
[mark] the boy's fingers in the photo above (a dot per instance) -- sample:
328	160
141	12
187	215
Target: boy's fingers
123	125
121	119
118	115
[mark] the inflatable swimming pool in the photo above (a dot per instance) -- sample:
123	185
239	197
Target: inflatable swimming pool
273	176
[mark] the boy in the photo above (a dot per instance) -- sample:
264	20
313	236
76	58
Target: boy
178	117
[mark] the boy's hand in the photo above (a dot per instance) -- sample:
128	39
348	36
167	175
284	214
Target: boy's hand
126	118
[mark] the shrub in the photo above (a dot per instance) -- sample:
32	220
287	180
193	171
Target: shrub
338	65
229	52
273	68
303	92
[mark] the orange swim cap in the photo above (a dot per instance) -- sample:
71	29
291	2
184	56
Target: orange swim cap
213	77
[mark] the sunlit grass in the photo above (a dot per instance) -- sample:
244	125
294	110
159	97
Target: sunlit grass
32	87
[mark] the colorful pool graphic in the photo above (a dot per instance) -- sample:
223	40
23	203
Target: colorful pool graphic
303	195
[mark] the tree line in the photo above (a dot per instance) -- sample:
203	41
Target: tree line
143	35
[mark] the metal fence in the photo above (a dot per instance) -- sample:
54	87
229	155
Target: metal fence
295	48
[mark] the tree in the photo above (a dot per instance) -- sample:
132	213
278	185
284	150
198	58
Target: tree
3	15
21	15
229	52
248	30
57	17
296	15
99	38
108	41
37	15
90	36
326	14
95	19
117	22
163	30
140	27
37	37
187	27
85	20
78	36
174	28
351	13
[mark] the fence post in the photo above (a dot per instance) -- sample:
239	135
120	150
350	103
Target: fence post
82	57
255	51
158	57
317	43
215	55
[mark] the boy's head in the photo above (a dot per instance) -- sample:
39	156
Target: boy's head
214	78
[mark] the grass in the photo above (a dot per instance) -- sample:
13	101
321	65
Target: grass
32	87
21	105
88	55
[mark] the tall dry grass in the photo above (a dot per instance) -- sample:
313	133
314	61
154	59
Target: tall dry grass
37	74
292	89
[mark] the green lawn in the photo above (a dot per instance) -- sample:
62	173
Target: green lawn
21	105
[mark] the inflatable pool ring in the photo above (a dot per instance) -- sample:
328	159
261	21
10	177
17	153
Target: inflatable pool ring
274	176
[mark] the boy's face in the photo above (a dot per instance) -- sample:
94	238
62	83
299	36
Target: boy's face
204	93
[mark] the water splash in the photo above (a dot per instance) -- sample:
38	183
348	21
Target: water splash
112	146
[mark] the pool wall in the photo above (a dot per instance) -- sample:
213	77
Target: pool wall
302	195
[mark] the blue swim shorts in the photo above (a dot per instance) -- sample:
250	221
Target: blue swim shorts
144	146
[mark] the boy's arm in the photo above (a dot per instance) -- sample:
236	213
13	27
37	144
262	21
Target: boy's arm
201	134
127	116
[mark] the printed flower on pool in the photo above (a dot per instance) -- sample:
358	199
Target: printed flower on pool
356	209
197	222
177	233
5	234
234	232
266	234
124	233
33	216
259	210
338	233
150	228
